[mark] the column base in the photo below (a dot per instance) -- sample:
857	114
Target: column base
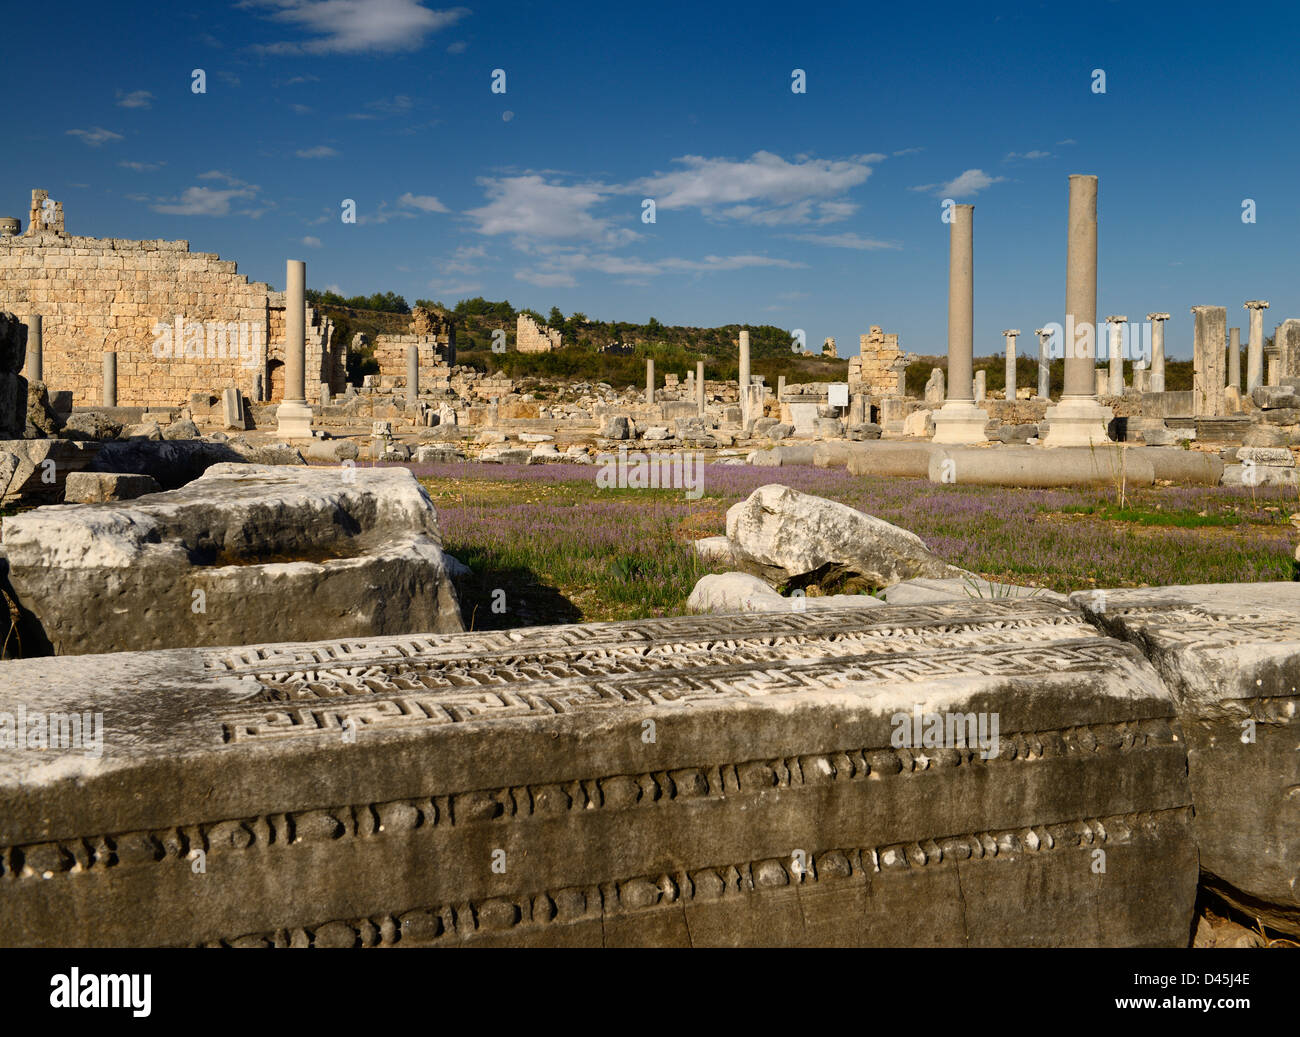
1077	421
293	420
960	422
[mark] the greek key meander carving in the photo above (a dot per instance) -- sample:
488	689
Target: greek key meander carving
679	630
1194	626
613	792
831	868
439	694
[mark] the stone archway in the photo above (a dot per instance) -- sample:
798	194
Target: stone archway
275	380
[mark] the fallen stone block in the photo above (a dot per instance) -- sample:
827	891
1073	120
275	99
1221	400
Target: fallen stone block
97	487
1191	467
351	792
1038	466
91	424
713	549
42	466
741	592
910	460
863	432
239	553
1230	654
779	456
1271	397
781	535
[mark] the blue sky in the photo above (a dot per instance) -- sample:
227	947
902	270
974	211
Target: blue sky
818	211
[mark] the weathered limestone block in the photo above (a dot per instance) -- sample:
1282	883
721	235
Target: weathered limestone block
1230	654
97	487
42	467
241	552
42	419
923	591
781	534
741	592
352	793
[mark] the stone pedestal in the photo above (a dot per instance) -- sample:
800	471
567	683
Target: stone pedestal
1077	421
960	421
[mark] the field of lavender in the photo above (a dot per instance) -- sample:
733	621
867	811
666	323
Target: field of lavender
546	545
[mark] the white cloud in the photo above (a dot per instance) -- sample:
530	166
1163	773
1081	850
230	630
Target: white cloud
966	185
423	202
356	26
764	188
201	201
319	151
558	269
226	178
531	207
459	47
142	167
135	99
97	136
1031	155
311	242
848	239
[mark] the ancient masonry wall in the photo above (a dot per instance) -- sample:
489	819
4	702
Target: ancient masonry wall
531	337
873	371
100	294
390	354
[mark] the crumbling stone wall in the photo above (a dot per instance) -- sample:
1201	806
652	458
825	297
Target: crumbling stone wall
531	337
873	371
133	297
433	333
13	386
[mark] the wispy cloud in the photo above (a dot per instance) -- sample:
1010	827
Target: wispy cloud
135	99
423	202
849	239
532	207
1013	156
967	185
201	201
764	188
319	151
142	167
311	242
355	26
96	136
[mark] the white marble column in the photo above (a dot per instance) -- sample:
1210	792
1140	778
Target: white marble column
699	386
649	379
744	378
1157	350
1044	363
1079	420
293	416
959	420
1115	323
34	369
1255	344
412	376
1234	358
1011	336
110	379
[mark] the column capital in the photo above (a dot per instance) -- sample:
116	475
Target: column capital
1255	304
1157	316
1012	332
1040	332
1116	318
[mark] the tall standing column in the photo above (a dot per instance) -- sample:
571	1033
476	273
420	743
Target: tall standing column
110	379
649	379
699	386
1044	363
1157	350
744	378
1079	420
1011	337
35	369
1209	325
412	375
1234	358
959	420
1116	324
293	416
1255	346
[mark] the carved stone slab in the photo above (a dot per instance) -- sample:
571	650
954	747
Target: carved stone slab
722	780
1230	654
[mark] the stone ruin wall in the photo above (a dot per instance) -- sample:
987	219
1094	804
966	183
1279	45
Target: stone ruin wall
107	294
531	337
433	333
873	371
